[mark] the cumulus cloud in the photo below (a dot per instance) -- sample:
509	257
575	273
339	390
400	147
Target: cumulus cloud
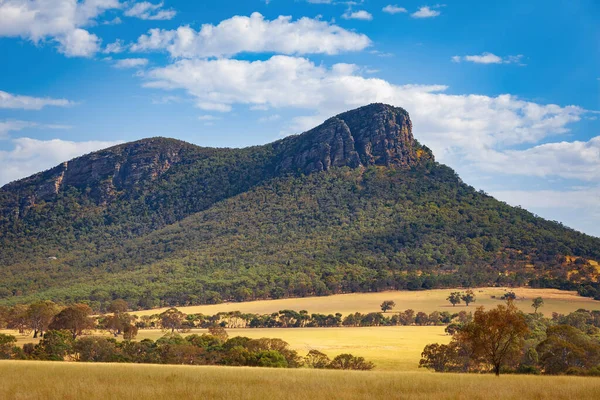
489	58
14	101
361	14
394	9
29	156
425	12
57	20
572	160
475	128
253	34
148	11
131	63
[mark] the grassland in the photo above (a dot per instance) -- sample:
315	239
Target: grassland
391	348
430	300
25	380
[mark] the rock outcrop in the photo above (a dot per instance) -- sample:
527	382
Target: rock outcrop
377	134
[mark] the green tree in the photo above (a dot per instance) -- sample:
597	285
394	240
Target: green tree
7	342
387	305
567	348
454	298
468	297
76	319
348	361
172	319
55	345
39	315
316	359
537	303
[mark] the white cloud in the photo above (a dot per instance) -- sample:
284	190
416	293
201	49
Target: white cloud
569	198
489	58
15	125
115	47
208	118
57	20
361	14
149	11
11	126
461	129
78	43
29	156
14	101
425	12
570	160
131	63
394	9
256	35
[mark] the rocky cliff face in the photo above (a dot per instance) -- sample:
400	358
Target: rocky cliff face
104	172
376	134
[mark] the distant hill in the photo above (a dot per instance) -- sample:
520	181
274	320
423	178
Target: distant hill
355	204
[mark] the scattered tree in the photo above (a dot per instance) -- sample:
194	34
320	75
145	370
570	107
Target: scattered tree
537	303
172	319
316	359
387	305
76	319
496	336
454	298
468	297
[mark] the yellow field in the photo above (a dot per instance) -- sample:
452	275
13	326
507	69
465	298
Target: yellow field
391	348
26	380
427	301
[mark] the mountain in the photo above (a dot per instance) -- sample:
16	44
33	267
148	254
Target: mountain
355	204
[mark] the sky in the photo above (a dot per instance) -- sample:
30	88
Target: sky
505	92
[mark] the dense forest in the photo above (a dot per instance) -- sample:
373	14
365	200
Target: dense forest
355	204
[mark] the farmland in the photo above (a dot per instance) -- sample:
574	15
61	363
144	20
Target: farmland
427	301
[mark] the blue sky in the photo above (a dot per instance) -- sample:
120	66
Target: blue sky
506	92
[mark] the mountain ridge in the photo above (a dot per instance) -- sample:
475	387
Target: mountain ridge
355	204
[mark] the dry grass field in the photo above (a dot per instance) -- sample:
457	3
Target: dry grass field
427	301
29	380
391	348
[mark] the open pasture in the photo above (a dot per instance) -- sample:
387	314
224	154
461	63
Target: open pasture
391	348
427	301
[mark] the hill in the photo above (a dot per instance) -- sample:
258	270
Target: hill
353	205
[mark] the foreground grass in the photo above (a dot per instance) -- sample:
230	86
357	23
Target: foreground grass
25	380
558	301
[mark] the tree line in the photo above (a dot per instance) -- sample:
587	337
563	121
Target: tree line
41	316
505	339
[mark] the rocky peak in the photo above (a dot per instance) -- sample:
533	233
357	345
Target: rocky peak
377	134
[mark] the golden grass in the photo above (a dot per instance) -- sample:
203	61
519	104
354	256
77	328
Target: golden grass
25	380
430	300
391	348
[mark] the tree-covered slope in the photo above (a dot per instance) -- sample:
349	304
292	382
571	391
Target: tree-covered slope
356	204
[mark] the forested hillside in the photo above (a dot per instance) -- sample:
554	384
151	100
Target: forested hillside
355	204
